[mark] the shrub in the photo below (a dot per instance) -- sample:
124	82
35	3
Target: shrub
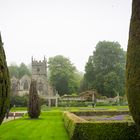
4	84
133	64
19	101
34	106
44	107
70	122
22	101
71	104
79	129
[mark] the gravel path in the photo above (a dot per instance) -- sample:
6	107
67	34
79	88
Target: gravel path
12	117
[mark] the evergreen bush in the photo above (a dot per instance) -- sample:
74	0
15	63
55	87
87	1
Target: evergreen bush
79	129
34	105
4	84
133	64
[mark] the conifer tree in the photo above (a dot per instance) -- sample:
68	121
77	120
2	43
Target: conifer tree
4	84
34	106
133	64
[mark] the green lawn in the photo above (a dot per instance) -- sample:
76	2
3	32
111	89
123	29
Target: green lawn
16	109
49	126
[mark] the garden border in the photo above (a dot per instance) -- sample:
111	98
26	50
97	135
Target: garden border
80	129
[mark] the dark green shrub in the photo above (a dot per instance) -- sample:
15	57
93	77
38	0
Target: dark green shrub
22	101
34	106
42	101
4	84
19	101
105	131
79	129
70	122
71	104
133	64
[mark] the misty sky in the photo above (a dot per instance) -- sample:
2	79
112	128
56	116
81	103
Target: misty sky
68	27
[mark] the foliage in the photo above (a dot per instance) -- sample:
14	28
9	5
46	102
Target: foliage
4	84
75	109
133	64
81	130
105	131
22	101
19	71
14	70
83	84
50	126
105	70
71	104
34	106
63	75
19	101
89	75
18	109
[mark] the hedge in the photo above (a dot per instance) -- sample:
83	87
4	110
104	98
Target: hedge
80	129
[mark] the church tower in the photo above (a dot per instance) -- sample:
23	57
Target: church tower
39	73
39	68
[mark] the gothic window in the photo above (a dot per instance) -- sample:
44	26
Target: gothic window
38	70
26	86
40	86
14	87
18	85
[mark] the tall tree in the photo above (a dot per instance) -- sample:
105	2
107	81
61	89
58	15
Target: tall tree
34	106
23	69
89	73
133	64
4	84
62	75
19	71
13	70
104	70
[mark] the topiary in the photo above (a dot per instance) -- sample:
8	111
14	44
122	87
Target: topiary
34	106
4	84
133	64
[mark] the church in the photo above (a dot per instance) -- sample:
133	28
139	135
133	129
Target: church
21	86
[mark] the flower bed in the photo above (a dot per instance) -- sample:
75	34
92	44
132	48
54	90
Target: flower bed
108	118
100	112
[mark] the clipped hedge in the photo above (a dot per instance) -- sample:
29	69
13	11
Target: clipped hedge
80	129
70	121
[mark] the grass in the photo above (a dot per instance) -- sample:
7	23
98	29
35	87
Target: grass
16	109
49	126
45	108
